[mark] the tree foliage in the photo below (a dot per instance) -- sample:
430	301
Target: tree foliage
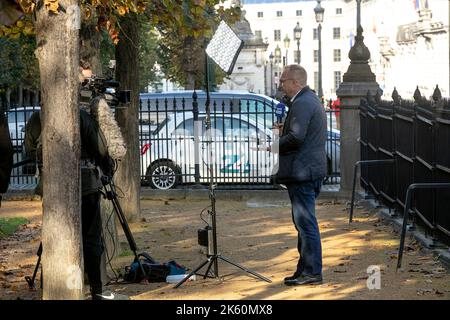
19	64
182	26
182	42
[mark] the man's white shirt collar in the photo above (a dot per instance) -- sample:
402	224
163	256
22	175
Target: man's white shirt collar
295	96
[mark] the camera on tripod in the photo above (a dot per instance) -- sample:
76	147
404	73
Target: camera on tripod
95	86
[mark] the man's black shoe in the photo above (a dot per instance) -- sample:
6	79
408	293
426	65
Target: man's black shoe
293	277
303	279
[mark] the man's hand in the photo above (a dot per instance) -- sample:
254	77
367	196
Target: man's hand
277	128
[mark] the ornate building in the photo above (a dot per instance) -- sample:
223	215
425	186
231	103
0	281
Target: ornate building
249	70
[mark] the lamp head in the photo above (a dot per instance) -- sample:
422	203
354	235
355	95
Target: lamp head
319	11
287	42
297	32
277	52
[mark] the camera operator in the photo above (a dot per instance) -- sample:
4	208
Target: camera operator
94	155
6	155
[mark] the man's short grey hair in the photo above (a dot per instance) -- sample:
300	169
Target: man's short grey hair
298	73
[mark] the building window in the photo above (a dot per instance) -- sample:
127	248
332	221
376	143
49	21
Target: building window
260	14
279	13
316	55
336	33
337	55
316	81
277	35
337	79
315	34
298	13
338	10
258	34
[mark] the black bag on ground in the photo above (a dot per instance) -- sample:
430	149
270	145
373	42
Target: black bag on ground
154	271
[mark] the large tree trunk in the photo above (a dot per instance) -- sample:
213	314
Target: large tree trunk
20	95
58	55
127	73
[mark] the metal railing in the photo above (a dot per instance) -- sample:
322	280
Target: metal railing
175	149
414	136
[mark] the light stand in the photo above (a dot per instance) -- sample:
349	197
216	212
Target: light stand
226	60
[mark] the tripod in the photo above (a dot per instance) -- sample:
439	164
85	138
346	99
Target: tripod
110	194
213	259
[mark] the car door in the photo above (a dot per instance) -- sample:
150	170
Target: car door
185	148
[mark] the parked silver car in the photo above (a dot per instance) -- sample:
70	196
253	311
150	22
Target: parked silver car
17	119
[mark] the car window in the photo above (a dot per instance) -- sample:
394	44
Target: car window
260	111
159	126
185	128
20	115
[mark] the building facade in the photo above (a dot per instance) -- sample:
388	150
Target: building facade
274	22
249	71
408	41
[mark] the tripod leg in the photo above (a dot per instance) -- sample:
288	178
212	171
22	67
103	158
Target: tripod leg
245	269
31	280
213	262
193	272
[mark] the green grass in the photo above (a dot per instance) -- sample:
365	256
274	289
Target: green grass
126	253
9	225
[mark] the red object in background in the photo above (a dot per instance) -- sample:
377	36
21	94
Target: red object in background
336	105
145	148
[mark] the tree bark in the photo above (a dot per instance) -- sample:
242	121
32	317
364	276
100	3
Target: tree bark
20	95
8	98
127	177
58	55
90	45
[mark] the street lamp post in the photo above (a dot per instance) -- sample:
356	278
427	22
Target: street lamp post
287	42
271	73
277	62
297	36
318	10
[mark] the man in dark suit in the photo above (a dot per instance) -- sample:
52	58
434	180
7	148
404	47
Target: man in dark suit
302	168
6	154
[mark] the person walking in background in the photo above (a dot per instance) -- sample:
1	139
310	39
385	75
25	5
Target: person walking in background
336	106
302	168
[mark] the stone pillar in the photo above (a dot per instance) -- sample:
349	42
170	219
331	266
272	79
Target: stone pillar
357	81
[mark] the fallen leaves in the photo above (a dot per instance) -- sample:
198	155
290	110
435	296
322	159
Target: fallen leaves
421	292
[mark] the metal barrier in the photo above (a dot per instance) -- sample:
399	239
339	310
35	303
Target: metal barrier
414	136
173	146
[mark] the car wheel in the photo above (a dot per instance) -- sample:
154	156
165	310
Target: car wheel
163	175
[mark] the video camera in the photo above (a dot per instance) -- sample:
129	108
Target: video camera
95	86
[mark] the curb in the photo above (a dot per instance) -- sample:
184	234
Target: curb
230	195
196	195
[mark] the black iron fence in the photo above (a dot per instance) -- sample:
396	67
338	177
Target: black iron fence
177	150
416	136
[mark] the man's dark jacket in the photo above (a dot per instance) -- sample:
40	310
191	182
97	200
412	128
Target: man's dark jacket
6	154
302	155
